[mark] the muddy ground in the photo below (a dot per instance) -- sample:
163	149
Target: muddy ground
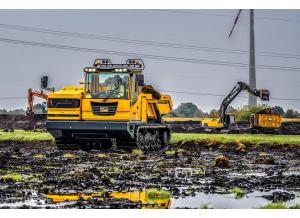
195	175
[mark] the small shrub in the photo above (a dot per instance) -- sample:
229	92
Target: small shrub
137	152
239	193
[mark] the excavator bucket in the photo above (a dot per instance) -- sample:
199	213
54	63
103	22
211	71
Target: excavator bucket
264	95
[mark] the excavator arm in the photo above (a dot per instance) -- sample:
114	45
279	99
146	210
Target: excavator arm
31	94
239	87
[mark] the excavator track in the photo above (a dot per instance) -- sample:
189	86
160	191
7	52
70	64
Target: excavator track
147	138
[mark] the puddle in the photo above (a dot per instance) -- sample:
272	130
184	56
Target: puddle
150	199
228	201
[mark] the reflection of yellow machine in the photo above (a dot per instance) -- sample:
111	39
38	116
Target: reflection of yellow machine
114	104
147	200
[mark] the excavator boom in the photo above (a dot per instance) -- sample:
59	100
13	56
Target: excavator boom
239	87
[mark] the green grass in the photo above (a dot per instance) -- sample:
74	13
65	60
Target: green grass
16	177
25	136
242	138
170	152
157	194
238	193
39	156
13	176
68	155
274	206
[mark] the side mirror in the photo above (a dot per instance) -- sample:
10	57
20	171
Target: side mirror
140	79
44	82
264	95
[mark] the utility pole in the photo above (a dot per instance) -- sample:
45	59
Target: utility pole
252	100
252	72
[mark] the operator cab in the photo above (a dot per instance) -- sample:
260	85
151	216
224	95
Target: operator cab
113	81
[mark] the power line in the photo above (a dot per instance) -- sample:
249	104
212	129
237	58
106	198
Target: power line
149	43
226	15
180	92
156	57
219	95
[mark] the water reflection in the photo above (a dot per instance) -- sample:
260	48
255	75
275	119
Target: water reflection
152	198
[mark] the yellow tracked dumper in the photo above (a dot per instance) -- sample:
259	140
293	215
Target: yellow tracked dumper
114	105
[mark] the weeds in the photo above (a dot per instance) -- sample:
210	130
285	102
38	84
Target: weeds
13	176
279	205
137	152
68	155
39	156
238	193
170	152
157	194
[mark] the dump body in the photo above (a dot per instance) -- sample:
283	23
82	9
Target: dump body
270	121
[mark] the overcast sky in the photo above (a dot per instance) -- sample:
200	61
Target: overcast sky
276	31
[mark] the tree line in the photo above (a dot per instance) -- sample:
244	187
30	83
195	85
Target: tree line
242	113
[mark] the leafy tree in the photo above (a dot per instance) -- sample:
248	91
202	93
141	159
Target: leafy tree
244	113
214	113
290	113
188	110
279	110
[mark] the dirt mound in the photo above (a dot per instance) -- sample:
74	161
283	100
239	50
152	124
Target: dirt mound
19	121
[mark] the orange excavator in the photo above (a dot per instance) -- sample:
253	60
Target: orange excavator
40	94
31	95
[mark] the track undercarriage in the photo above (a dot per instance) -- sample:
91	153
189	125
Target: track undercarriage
147	137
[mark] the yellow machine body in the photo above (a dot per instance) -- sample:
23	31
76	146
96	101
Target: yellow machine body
57	103
212	123
114	103
271	121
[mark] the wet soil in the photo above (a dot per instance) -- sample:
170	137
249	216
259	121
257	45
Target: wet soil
194	175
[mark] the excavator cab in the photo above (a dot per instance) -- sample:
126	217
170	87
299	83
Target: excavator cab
229	119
